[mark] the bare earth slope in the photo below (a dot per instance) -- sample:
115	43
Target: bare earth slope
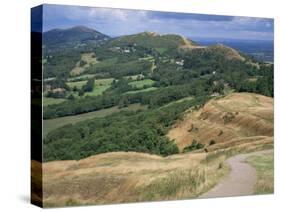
236	118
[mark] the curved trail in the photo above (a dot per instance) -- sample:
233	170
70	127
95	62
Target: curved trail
241	179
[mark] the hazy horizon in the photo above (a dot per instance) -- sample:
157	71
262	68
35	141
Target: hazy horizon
118	22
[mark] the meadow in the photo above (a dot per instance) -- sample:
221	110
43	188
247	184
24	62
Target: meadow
52	124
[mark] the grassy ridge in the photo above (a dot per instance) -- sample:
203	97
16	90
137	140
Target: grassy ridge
118	177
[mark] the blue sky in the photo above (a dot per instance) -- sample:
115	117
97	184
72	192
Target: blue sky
116	22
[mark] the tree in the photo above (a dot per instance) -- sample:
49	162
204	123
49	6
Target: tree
71	97
89	86
124	102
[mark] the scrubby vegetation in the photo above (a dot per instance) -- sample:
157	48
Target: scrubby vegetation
140	131
195	145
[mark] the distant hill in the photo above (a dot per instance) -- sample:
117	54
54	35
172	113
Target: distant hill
73	36
84	38
170	43
224	51
154	40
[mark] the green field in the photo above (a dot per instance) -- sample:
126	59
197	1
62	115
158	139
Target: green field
51	101
51	124
106	81
98	90
142	83
147	58
142	90
134	77
77	84
160	50
81	77
100	86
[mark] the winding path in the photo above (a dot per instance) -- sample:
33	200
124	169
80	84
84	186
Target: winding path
241	179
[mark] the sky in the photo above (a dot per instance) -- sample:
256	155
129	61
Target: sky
117	22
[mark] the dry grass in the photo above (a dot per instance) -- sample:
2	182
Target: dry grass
264	165
88	58
129	177
234	118
119	177
124	177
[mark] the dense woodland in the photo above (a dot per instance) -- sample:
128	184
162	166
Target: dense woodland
140	131
175	73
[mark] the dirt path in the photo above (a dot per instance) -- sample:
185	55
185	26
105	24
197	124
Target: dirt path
240	181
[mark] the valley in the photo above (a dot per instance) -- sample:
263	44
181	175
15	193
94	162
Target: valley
147	116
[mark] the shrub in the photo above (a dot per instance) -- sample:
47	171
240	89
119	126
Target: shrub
82	63
212	142
194	146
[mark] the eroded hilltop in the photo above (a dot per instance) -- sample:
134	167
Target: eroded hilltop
238	117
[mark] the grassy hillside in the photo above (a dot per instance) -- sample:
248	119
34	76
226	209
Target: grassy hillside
129	177
154	40
234	118
238	123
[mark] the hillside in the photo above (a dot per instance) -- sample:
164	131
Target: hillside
73	35
236	118
239	123
155	40
119	177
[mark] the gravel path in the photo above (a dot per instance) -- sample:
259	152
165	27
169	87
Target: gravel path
241	179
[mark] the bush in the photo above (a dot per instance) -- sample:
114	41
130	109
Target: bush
194	146
212	142
71	97
82	63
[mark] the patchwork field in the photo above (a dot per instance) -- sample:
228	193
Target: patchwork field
77	84
51	101
142	83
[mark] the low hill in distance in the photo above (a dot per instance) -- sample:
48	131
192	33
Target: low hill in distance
72	36
155	40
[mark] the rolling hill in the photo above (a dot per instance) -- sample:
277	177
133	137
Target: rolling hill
74	36
154	40
239	123
236	118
